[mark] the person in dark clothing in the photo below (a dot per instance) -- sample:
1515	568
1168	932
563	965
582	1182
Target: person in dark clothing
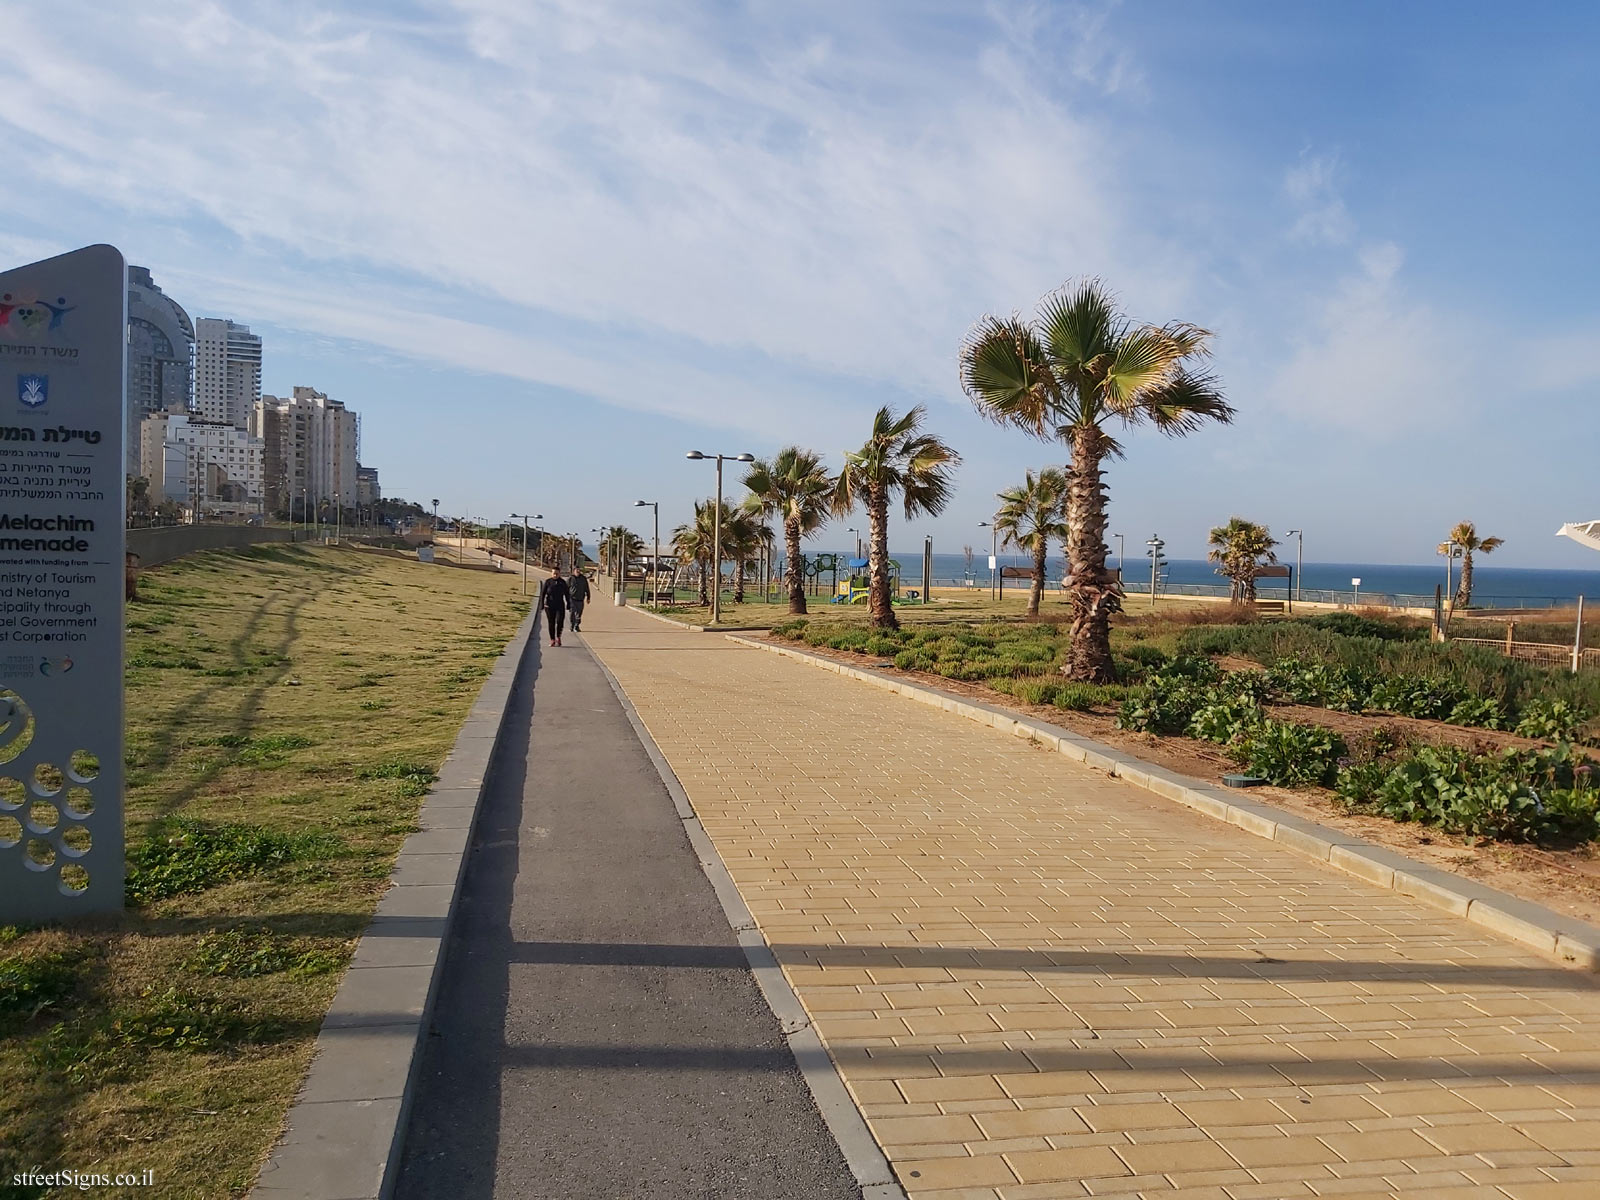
553	599
577	597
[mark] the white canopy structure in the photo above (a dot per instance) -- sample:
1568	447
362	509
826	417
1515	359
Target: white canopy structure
1587	532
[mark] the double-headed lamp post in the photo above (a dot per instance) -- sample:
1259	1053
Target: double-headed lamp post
857	532
716	528
655	545
994	551
525	518
1299	560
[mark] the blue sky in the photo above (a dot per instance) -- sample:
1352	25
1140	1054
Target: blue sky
546	247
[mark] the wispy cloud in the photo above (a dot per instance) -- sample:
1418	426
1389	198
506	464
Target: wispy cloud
1312	186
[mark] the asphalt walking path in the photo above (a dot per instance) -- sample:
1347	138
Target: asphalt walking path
599	1034
1040	981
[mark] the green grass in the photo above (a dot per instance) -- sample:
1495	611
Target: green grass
275	757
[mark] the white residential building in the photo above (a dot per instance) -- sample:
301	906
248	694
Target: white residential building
311	444
227	375
199	463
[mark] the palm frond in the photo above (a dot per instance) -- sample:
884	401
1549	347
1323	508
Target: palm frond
1005	375
1078	322
1185	402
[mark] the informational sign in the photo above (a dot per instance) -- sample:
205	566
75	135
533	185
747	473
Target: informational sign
63	345
991	562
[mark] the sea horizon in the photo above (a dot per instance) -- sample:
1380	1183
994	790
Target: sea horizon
1527	586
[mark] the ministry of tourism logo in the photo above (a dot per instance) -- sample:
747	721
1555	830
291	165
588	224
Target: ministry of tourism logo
23	318
33	390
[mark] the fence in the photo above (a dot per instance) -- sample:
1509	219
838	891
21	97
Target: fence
1544	653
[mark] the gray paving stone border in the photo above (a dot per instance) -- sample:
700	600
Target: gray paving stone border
1571	942
344	1132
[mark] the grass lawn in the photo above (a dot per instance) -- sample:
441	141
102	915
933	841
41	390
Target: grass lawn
287	707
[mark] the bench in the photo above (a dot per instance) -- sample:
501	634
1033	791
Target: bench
1269	608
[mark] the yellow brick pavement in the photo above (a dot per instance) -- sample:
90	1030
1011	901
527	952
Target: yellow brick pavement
1038	981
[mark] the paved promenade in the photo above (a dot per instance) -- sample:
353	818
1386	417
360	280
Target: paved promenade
1042	982
599	1034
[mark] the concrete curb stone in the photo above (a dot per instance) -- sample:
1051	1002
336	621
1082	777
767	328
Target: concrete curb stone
1571	942
345	1130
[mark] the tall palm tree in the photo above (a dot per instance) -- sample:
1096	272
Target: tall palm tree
1238	548
1465	542
796	488
692	543
744	533
1029	517
1069	374
897	458
617	542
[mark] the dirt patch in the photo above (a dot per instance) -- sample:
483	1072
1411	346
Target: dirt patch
1567	881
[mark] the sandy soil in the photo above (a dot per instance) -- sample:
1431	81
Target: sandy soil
1565	880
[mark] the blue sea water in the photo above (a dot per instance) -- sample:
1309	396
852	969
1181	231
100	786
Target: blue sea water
1502	587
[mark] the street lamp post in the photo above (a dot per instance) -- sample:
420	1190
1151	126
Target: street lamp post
1299	561
1121	554
526	517
1155	543
857	532
716	528
655	546
338	518
994	551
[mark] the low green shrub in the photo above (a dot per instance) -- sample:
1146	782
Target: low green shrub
1515	795
1223	717
1352	625
1480	712
1415	696
1164	706
1550	720
791	630
1326	684
1289	754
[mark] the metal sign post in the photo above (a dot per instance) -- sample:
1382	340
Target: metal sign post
63	346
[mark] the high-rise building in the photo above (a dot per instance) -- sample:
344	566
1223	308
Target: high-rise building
160	356
311	444
227	375
211	465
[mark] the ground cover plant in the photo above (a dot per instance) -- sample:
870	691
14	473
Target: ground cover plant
287	707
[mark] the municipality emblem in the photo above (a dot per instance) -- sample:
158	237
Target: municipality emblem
33	390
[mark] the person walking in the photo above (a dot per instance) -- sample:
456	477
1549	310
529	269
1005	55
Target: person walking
577	596
553	600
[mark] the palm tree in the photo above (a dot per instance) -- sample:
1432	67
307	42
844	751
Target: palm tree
618	542
693	543
1239	548
744	533
1464	541
796	488
898	457
1076	368
1029	517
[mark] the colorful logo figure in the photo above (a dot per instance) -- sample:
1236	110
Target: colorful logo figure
33	390
33	316
54	666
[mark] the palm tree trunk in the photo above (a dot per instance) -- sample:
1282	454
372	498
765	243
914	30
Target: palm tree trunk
705	596
1247	585
1464	588
1094	594
878	604
797	580
1041	549
738	580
